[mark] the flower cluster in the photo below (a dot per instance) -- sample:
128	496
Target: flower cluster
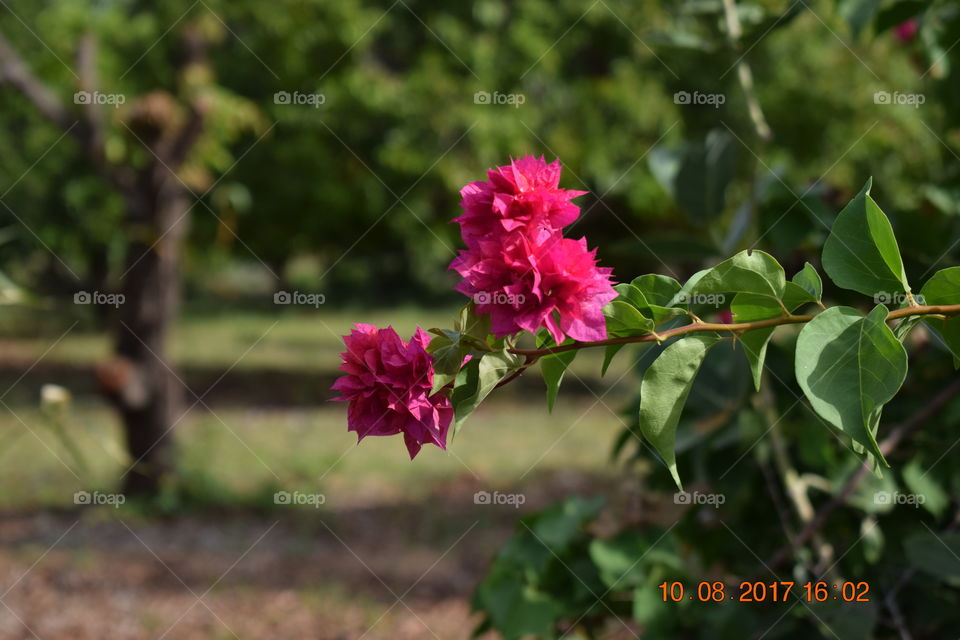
518	267
387	384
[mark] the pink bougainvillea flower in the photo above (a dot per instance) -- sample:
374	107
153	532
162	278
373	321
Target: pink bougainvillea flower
525	285
387	384
906	30
524	194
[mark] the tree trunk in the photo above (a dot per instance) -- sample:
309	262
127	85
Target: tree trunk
150	402
138	379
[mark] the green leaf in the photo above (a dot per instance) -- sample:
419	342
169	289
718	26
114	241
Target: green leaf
935	553
617	560
943	287
750	307
809	280
921	483
624	319
473	324
867	495
515	609
664	390
657	289
849	366
681	297
447	353
631	295
647	604
871	537
558	526
746	272
755	347
859	13
651	295
626	559
905	326
608	353
795	296
662	314
696	175
861	252
477	379
552	367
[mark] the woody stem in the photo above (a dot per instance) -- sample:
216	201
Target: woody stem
735	328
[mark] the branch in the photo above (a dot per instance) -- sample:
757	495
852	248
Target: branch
15	72
796	487
744	74
735	328
528	362
87	69
194	54
888	445
186	138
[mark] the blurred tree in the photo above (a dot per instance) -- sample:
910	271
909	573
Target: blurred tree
152	156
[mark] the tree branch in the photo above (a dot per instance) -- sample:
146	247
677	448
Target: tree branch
93	112
735	328
194	55
744	73
15	72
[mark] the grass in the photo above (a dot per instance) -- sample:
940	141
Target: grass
243	455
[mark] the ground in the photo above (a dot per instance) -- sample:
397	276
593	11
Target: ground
389	548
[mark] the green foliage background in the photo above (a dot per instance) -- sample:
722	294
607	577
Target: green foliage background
399	118
354	199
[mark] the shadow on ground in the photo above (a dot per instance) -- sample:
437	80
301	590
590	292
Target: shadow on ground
248	387
397	570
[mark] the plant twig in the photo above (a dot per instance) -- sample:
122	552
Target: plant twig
796	487
734	327
744	73
530	360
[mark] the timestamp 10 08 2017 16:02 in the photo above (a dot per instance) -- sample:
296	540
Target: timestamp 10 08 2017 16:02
756	591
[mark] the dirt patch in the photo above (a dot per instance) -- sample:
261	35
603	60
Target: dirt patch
391	571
